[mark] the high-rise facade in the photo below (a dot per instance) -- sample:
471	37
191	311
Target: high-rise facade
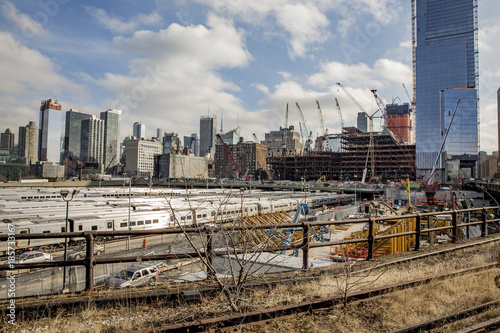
141	156
139	130
192	143
7	140
446	72
285	142
52	126
111	148
362	122
208	131
73	133
398	121
92	141
28	143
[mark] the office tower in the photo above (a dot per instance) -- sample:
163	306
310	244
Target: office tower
446	72
28	143
232	137
192	143
52	127
7	140
139	130
362	122
159	132
208	131
285	142
171	143
92	141
73	133
111	155
141	156
398	121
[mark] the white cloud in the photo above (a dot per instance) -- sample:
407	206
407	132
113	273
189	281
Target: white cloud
26	25
118	25
175	78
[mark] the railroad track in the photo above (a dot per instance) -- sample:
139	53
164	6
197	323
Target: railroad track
47	306
267	315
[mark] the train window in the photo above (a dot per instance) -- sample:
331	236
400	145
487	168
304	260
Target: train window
123	225
110	225
189	217
94	227
183	218
148	221
199	215
140	222
213	213
46	232
22	232
132	224
63	229
155	221
204	215
80	227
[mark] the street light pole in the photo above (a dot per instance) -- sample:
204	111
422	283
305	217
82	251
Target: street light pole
64	195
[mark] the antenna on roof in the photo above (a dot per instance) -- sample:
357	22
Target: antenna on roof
221	121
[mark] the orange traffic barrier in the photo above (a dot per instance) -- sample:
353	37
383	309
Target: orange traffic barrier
144	243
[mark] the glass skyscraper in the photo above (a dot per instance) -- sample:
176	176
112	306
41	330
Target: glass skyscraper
208	131
72	140
111	156
446	71
52	126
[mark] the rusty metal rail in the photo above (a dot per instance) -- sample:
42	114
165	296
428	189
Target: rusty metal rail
455	317
304	307
89	262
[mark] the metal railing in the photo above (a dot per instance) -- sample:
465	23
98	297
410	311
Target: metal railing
209	251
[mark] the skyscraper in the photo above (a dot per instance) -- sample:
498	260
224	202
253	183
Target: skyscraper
139	130
208	130
111	151
362	122
446	72
28	142
192	143
92	140
52	126
73	133
7	140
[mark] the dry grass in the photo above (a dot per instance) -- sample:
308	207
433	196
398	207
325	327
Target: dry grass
394	311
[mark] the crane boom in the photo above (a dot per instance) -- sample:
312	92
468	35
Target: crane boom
324	130
239	174
340	113
381	106
307	146
286	116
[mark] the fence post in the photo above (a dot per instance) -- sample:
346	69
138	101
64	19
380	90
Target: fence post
305	245
418	227
454	224
89	262
484	226
209	251
371	242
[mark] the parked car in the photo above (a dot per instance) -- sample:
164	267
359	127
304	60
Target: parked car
134	276
32	257
81	251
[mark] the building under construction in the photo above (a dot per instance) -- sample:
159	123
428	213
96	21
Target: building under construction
388	160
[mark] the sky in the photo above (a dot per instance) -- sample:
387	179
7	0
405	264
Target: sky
167	63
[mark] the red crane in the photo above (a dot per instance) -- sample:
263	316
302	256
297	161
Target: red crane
239	175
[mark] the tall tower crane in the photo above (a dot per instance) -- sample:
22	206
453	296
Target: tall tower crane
307	146
324	131
371	151
340	113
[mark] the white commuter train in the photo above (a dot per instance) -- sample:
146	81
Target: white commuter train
103	213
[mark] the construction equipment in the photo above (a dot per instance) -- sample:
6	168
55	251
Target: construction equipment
341	119
239	174
255	138
324	130
307	146
371	150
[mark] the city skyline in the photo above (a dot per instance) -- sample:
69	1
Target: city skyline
246	61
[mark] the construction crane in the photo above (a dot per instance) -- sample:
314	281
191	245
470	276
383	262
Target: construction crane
324	130
381	107
371	149
286	116
307	146
239	174
341	119
255	138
